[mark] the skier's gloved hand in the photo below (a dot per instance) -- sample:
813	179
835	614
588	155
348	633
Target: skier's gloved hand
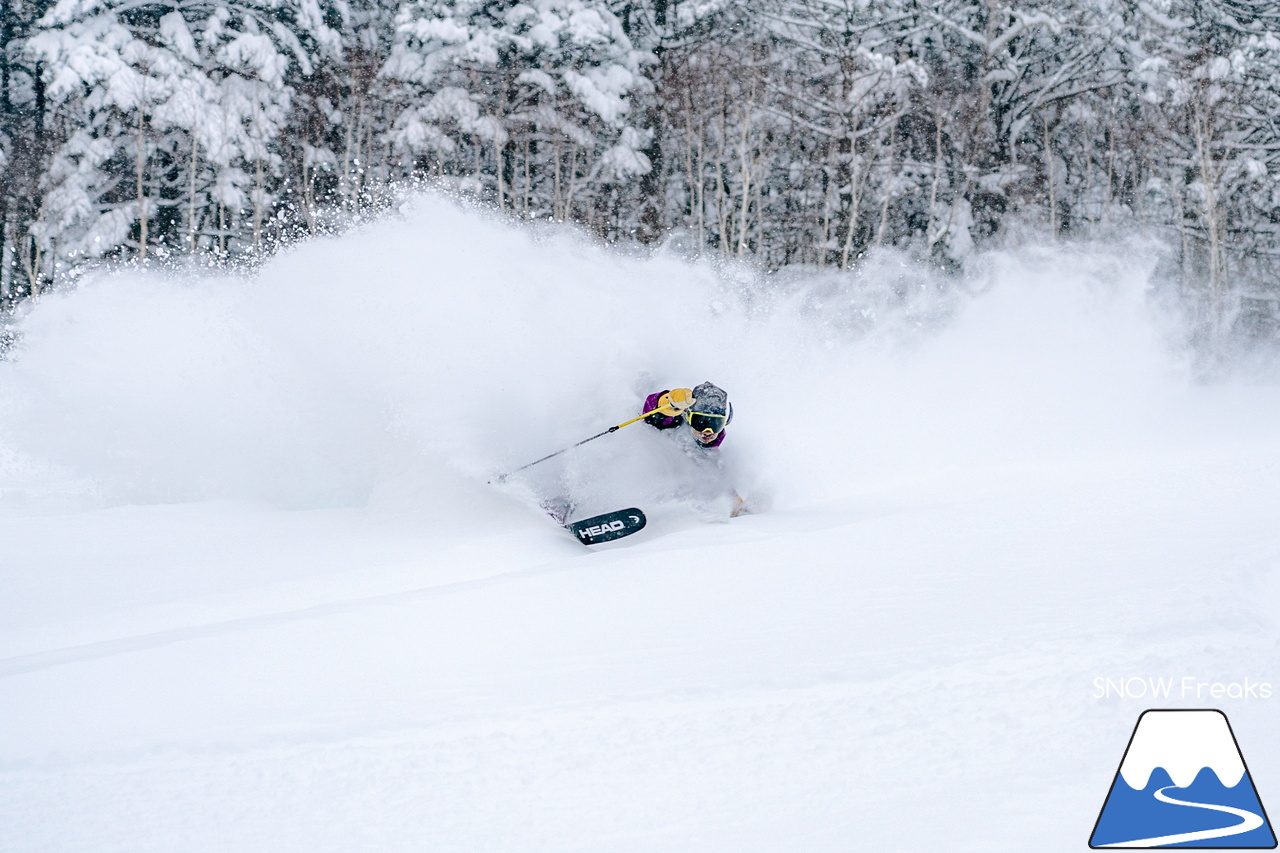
675	401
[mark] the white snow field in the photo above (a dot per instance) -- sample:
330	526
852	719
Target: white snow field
256	594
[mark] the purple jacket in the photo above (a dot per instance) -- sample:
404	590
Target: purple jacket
661	421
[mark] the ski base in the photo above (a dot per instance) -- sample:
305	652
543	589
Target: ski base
607	527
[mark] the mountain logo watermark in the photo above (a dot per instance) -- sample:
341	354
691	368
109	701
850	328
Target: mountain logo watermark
1183	783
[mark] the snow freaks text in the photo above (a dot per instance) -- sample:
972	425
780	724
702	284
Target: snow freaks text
1185	687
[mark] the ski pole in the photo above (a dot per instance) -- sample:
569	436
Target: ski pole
501	477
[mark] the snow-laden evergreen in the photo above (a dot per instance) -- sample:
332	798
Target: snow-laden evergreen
554	77
172	122
787	132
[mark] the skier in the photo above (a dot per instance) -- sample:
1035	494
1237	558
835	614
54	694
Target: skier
705	409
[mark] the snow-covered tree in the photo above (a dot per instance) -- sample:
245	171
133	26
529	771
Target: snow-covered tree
168	120
1207	76
790	131
523	102
23	150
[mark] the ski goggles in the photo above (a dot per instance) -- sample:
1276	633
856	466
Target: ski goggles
703	421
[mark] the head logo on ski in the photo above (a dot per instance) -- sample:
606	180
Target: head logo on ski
607	527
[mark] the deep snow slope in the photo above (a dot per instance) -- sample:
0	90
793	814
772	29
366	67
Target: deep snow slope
258	596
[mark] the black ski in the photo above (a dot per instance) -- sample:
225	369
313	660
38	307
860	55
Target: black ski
607	527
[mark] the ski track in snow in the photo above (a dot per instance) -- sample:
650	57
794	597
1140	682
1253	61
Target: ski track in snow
122	645
258	597
685	771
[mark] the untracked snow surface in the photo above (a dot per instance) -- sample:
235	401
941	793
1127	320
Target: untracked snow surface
257	595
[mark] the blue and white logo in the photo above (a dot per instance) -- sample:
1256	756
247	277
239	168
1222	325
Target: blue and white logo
1183	783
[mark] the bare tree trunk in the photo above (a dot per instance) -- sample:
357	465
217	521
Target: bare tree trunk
746	169
888	183
557	203
499	145
1180	214
388	166
688	159
528	182
191	208
1088	184
6	248
364	165
653	202
827	206
258	192
1111	163
855	187
32	260
721	194
1212	218
357	161
142	198
963	194
759	217
702	189
344	180
308	191
929	236
573	181
1048	172
502	197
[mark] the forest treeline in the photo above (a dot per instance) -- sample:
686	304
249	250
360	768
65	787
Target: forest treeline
784	131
